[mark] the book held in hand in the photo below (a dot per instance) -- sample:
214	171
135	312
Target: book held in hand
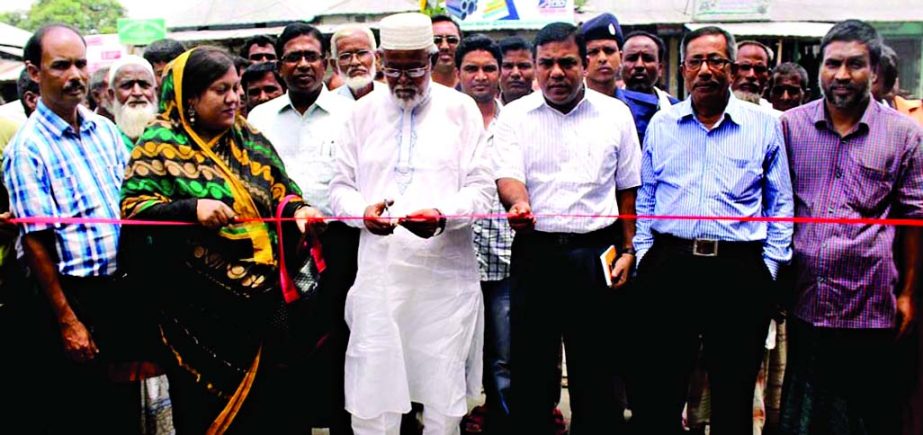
607	259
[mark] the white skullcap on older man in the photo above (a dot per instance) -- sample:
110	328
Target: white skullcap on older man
408	31
124	61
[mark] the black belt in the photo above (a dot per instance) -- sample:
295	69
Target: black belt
707	247
602	235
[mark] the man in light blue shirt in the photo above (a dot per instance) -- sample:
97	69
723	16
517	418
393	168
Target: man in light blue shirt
714	156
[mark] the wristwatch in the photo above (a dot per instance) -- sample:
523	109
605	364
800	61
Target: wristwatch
630	251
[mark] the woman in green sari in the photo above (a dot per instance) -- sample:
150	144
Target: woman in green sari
217	283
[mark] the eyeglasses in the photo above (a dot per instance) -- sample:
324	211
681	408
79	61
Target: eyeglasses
746	67
413	73
258	57
452	40
347	56
714	63
295	56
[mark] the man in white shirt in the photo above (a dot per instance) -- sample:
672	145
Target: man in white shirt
303	125
566	151
412	162
354	57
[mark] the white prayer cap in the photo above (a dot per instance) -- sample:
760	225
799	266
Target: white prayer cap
130	59
408	31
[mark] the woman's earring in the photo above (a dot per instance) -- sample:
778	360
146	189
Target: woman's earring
191	115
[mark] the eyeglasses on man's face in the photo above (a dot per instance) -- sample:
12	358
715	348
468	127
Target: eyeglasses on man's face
451	39
413	73
713	62
347	56
295	56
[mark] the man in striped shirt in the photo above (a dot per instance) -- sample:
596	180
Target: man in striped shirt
855	285
571	156
68	162
711	155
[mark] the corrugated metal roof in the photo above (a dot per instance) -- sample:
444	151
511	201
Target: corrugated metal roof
10	70
789	29
374	7
226	13
211	13
13	36
681	11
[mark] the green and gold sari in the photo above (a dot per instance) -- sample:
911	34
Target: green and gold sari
218	289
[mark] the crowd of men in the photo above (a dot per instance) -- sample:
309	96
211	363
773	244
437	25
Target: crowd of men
486	180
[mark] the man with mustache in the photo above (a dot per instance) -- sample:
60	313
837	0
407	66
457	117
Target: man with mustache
751	72
447	34
856	286
69	162
709	155
517	71
412	162
131	90
304	125
355	57
788	87
642	65
564	151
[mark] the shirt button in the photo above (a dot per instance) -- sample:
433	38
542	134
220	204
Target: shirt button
830	210
839	173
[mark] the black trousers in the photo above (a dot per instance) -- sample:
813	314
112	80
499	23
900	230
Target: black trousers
81	396
325	371
558	291
683	301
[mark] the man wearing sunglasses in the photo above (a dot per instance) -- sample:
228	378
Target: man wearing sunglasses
446	35
750	73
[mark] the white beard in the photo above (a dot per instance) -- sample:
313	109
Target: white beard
749	97
133	119
408	104
356	83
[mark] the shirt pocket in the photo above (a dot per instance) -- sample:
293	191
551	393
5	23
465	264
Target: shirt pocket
600	160
321	163
740	178
868	187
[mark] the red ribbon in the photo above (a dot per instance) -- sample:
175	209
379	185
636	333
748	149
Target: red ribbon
795	219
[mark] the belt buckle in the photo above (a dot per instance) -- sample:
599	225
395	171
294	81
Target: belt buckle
705	248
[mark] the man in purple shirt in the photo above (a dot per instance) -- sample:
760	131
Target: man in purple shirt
855	285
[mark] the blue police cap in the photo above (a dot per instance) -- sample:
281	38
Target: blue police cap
603	26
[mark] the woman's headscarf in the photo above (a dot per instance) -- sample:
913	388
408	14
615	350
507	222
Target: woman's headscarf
262	174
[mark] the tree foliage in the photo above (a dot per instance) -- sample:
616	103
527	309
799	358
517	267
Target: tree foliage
89	16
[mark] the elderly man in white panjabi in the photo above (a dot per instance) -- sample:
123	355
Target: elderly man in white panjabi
412	161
